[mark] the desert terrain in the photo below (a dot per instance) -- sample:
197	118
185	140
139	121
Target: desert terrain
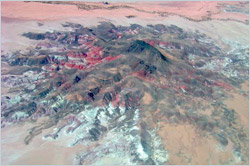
126	83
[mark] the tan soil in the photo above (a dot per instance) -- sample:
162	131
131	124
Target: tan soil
240	104
147	98
186	146
192	10
39	151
